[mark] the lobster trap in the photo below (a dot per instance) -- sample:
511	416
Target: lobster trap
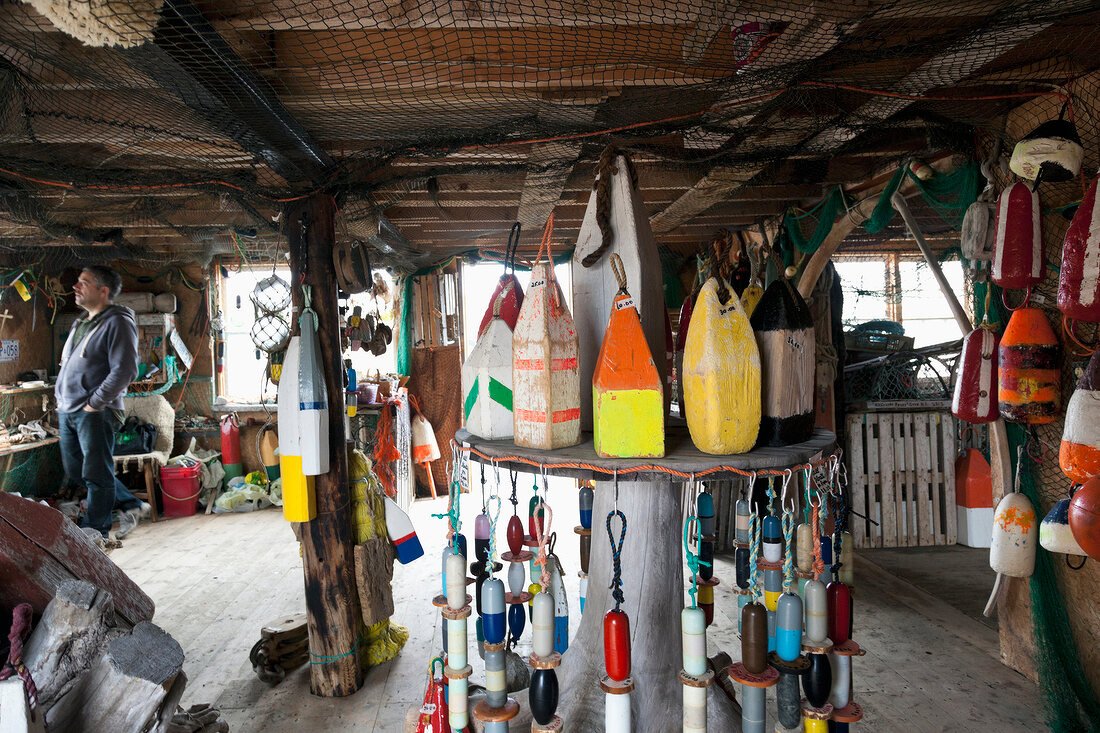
918	379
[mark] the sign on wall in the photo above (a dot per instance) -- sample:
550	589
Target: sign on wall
9	350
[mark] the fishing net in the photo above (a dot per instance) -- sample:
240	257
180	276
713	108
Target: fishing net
187	119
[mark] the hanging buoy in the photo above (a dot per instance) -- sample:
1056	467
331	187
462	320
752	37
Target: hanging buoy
839	601
706	602
773	545
975	397
741	566
741	522
231	447
1015	530
312	398
517	620
400	530
299	502
788	623
627	394
516	576
754	638
507	298
543	695
1018	260
561	609
804	535
784	332
545	381
817	612
681	340
1029	381
481	539
721	374
615	221
1084	517
269	449
515	535
817	681
1079	276
1079	454
487	382
493	618
542	626
536	517
425	449
616	644
1055	534
1051	152
973	498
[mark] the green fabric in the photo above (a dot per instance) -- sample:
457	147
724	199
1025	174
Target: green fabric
404	330
948	194
826	213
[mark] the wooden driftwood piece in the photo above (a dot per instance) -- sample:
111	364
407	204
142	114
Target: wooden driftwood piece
70	636
43	548
133	687
373	573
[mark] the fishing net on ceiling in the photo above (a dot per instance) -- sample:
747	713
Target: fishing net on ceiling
159	126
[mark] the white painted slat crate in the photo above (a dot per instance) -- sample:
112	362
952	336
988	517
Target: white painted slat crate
901	474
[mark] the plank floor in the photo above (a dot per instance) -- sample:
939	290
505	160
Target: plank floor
929	666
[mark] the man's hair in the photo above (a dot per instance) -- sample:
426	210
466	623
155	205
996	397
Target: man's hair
105	277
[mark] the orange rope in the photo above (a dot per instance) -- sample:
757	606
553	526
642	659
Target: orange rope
649	467
542	529
819	564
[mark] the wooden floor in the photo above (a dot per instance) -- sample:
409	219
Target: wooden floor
216	580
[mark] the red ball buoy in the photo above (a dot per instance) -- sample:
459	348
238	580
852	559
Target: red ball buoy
1084	517
616	644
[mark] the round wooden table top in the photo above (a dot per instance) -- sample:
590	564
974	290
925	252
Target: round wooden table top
580	461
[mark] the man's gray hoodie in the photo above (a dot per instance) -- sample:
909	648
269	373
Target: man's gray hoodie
97	371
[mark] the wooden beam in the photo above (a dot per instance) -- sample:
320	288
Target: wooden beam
332	600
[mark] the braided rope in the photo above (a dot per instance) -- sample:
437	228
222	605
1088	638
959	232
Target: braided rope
542	530
819	564
493	517
616	557
788	550
754	552
693	559
20	628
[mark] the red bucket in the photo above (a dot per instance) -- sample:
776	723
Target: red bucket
179	490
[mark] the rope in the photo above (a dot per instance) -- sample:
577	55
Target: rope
541	531
754	552
620	273
510	252
643	468
605	169
693	559
20	628
788	550
616	557
322	659
493	517
819	564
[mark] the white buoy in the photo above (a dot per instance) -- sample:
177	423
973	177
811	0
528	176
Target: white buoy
299	502
312	398
487	382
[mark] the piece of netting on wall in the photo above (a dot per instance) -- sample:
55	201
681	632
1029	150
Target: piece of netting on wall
157	109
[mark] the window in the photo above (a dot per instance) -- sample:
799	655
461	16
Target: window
902	290
244	377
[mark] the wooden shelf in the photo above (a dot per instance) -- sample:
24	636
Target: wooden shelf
26	390
680	455
23	447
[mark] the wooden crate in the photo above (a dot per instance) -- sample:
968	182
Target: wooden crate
901	474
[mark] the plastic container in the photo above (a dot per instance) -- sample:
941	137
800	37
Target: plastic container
179	489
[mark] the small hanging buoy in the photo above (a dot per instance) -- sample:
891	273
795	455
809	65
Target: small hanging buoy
400	530
1055	534
1051	152
1079	276
784	331
1018	261
1084	517
616	644
973	498
754	638
975	396
1079	453
1029	380
312	397
299	501
1015	535
788	624
493	617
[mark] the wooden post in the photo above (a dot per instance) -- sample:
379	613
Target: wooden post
332	602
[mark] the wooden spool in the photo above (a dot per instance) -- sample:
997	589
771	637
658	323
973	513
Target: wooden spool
523	556
452	615
763	564
553	726
701	680
709	582
768	678
582	531
459	674
514	600
797	666
849	649
440	601
551	662
617	687
850	713
594	287
812	648
486	714
812	713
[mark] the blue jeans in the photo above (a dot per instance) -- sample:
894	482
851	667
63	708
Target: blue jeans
87	453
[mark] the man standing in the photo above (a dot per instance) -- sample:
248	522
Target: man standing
97	365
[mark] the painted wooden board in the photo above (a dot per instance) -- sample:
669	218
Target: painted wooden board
722	377
784	331
923	481
546	393
487	383
43	547
627	395
887	443
594	287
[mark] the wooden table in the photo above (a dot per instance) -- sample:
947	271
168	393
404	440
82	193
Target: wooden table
652	569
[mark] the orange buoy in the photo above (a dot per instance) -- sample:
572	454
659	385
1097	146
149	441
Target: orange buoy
628	414
1018	260
1079	455
1084	517
1029	389
975	398
973	498
1079	276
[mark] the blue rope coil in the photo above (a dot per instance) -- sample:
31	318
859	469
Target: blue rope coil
616	586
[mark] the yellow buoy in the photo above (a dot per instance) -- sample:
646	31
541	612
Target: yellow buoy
721	373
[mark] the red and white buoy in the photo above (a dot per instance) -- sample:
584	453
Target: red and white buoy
975	398
1079	276
1079	454
1018	261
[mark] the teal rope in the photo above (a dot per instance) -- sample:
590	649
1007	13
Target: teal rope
693	559
325	660
754	551
173	374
